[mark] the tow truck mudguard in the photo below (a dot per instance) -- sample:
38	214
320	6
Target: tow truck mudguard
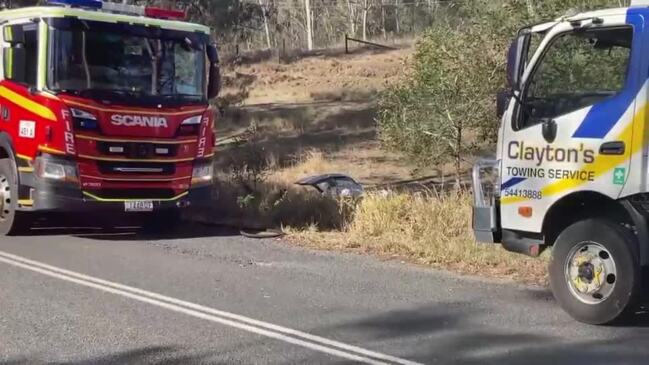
641	229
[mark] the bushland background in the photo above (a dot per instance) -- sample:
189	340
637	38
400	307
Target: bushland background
406	122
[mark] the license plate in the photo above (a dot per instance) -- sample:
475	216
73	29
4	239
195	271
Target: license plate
138	206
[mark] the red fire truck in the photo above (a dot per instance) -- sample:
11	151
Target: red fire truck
104	108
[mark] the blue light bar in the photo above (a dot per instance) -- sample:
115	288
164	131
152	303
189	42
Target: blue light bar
92	4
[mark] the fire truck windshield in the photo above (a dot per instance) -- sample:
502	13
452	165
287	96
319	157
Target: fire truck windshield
127	63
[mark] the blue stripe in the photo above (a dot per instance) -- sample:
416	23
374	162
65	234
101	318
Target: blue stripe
602	117
512	182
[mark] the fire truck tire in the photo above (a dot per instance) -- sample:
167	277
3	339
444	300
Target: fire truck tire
12	221
595	272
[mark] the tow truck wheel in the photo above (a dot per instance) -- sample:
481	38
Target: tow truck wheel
11	220
595	271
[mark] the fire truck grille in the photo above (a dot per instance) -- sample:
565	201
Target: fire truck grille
136	168
137	150
152	194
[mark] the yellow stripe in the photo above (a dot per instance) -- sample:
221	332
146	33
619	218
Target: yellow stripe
133	111
602	165
50	150
26	202
26	169
42	55
152	180
132	200
155	141
24	157
27	104
10	63
97	158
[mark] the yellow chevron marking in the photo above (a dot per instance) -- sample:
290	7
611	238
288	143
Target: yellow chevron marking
104	200
30	105
154	141
50	150
602	164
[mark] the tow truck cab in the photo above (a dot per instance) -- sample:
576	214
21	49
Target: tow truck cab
571	166
104	107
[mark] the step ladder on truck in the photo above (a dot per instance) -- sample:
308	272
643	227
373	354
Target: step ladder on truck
104	109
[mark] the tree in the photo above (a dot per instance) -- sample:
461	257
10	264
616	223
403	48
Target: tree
309	24
445	109
264	12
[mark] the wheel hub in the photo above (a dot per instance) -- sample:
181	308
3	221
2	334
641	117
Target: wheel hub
586	272
591	272
5	198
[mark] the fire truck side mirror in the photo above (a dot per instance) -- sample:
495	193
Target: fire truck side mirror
214	81
15	59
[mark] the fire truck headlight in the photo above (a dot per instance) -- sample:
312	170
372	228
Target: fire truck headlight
189	126
83	119
202	173
55	169
193	120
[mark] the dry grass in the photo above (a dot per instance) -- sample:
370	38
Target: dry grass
320	119
425	229
326	77
365	162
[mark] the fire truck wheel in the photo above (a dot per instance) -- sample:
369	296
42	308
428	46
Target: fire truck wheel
11	220
595	271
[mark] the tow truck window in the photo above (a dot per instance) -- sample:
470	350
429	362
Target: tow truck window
31	57
579	69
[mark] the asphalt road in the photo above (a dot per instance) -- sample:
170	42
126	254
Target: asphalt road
208	296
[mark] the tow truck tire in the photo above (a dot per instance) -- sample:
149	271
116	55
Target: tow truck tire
595	271
12	222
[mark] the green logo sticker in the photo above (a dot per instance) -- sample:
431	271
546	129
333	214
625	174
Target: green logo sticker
619	176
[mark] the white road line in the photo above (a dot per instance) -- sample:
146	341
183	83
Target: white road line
281	333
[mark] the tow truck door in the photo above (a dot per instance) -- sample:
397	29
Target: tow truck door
570	127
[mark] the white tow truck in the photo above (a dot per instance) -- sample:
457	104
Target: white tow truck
571	171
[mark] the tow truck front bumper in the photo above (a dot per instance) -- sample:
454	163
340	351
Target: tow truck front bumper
486	205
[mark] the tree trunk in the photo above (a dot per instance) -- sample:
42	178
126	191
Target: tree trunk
309	25
352	17
458	157
397	21
385	32
365	11
263	12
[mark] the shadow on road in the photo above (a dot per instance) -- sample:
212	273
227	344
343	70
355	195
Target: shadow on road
125	230
185	230
460	333
155	355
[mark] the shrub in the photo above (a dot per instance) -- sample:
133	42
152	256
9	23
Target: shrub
445	109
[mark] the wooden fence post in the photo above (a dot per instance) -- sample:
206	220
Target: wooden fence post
346	44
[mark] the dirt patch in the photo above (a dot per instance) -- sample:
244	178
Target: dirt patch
345	77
